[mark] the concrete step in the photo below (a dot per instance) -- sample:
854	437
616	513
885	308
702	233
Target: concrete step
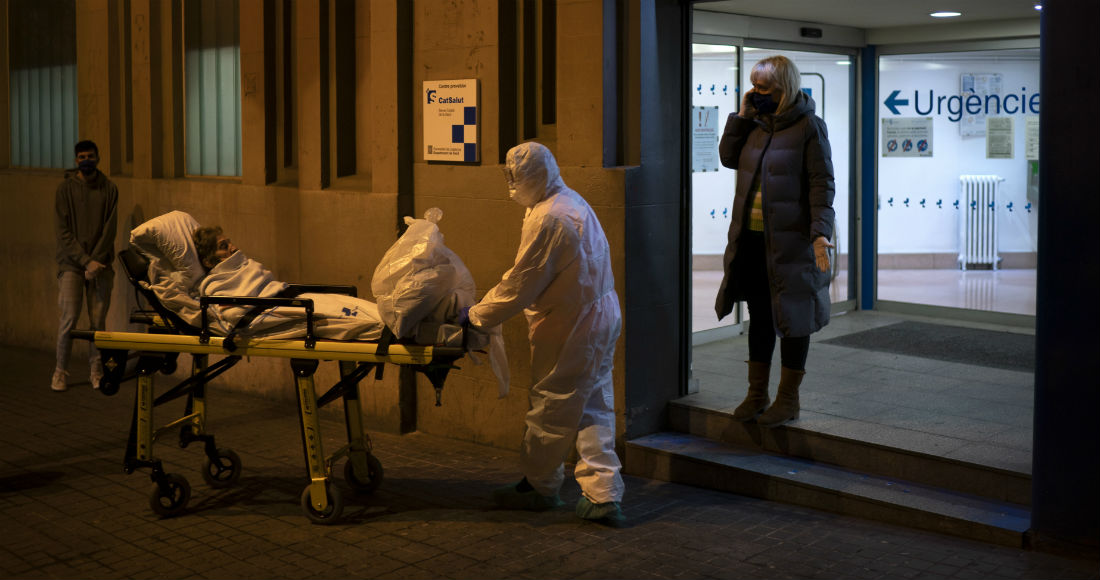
890	452
698	461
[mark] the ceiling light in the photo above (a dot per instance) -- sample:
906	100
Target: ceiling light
844	62
945	14
1038	6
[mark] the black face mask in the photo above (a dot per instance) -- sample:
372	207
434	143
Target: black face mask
763	103
87	167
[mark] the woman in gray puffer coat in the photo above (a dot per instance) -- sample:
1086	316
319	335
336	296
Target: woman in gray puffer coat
777	255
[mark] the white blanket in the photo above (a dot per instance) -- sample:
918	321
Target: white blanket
335	316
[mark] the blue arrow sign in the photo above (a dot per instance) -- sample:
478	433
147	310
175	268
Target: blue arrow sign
893	102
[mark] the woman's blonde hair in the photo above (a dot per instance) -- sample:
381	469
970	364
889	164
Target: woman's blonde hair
779	73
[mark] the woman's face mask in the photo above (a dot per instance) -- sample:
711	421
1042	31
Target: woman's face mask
764	103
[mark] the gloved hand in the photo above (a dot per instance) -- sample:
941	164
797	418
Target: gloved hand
463	316
92	269
821	253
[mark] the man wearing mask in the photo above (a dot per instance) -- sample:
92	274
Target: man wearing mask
562	281
86	215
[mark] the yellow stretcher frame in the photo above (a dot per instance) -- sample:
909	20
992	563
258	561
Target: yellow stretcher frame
321	501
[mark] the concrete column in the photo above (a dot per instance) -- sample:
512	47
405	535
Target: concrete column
382	142
166	86
312	142
1065	510
145	91
580	81
363	86
254	129
5	99
94	78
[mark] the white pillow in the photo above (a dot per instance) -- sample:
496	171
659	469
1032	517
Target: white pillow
167	239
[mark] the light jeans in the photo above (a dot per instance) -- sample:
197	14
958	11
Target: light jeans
73	291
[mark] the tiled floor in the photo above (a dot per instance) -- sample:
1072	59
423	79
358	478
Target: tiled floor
1010	291
966	412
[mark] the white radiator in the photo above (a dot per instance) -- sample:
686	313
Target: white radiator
978	221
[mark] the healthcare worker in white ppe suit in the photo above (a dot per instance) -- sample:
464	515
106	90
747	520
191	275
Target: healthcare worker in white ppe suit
562	281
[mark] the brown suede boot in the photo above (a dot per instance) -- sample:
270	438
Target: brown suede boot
756	400
786	400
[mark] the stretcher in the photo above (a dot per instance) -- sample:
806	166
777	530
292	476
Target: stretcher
168	336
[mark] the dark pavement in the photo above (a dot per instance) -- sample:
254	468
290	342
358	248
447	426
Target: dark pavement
67	510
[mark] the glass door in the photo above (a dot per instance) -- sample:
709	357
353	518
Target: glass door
715	94
719	72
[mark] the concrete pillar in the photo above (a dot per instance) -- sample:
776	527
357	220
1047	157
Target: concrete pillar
254	97
312	123
147	135
382	142
364	70
1065	510
580	82
5	99
94	80
166	64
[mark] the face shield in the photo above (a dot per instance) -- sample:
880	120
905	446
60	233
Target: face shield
510	180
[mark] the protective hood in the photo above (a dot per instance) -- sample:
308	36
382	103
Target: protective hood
533	173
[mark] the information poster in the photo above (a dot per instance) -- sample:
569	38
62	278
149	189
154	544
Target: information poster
907	137
704	139
980	85
451	121
1031	137
999	137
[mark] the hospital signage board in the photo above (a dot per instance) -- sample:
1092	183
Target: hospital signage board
907	137
451	120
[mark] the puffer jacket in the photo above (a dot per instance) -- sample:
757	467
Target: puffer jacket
791	153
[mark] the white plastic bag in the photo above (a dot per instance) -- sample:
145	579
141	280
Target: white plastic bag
420	280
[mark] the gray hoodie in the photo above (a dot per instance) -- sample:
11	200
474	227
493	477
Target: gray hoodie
86	216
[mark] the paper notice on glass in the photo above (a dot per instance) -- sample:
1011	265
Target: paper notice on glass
907	137
999	137
704	139
979	85
1031	137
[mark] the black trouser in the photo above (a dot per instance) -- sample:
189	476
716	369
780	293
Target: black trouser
752	265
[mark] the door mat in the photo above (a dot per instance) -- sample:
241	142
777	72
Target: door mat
987	348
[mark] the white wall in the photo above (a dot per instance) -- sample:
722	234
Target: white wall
914	229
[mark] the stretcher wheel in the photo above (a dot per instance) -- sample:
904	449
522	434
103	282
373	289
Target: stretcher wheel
170	495
374	475
332	513
223	470
108	387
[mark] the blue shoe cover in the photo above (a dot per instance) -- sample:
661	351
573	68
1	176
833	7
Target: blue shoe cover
608	513
511	498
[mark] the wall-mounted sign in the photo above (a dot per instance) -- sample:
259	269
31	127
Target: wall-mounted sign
704	139
907	137
1000	135
978	87
451	121
1031	137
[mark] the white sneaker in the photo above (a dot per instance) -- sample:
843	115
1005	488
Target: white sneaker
60	380
96	374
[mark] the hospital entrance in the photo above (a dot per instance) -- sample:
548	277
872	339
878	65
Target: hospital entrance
923	379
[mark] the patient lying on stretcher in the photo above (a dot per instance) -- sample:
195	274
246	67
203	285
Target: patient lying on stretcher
231	273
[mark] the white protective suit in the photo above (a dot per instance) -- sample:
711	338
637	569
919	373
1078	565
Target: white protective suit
562	281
